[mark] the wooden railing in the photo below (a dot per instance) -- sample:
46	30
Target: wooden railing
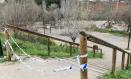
89	38
114	52
50	37
83	50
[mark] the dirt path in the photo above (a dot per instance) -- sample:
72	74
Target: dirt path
46	69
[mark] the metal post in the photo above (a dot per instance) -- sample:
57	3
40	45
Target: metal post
83	51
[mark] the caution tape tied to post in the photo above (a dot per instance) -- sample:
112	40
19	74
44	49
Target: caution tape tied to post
4	44
83	67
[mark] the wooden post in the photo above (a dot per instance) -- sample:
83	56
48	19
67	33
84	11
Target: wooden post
128	59
129	41
123	60
48	46
50	30
44	29
7	46
15	33
94	51
83	51
1	51
113	60
70	49
95	47
101	53
129	29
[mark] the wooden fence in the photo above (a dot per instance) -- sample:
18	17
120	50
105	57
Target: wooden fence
114	51
51	37
83	45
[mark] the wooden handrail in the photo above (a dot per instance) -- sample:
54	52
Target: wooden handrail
102	42
107	44
44	35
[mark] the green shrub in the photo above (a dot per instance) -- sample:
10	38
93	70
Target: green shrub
114	32
122	74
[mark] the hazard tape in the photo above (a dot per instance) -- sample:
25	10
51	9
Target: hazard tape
83	56
83	67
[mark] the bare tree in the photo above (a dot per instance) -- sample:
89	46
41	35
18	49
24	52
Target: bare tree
50	15
122	15
1	17
20	13
108	13
70	12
